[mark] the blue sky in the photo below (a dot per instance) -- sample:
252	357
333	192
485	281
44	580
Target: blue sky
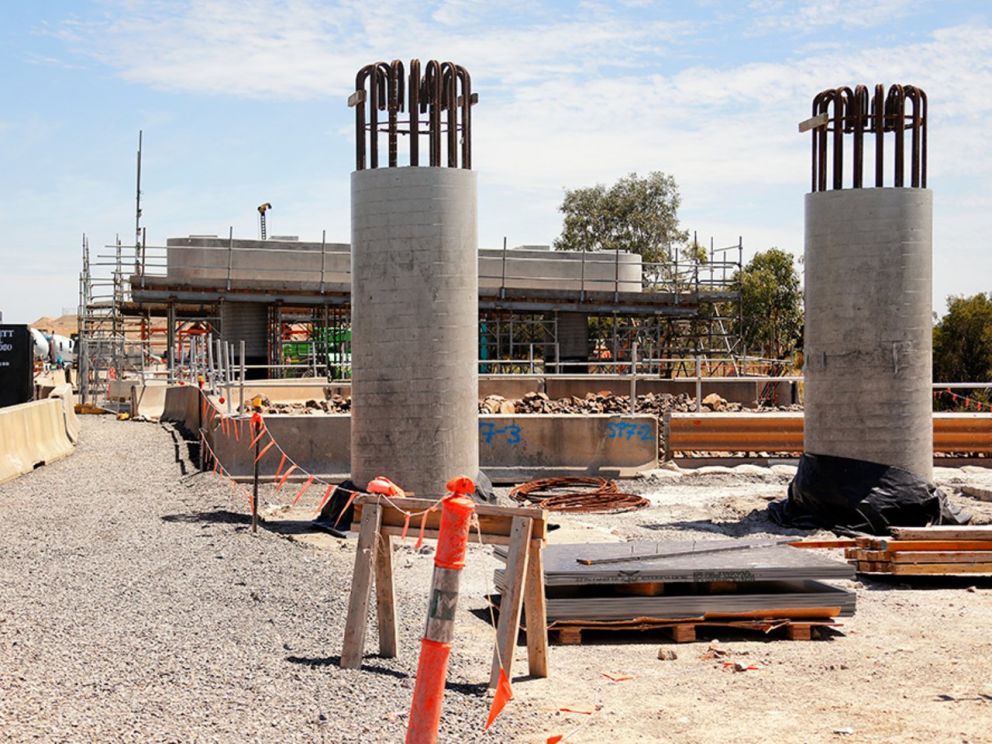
243	101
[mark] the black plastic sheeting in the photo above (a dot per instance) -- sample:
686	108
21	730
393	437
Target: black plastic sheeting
334	517
854	496
337	514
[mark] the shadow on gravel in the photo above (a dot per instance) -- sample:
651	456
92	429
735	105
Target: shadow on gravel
474	689
487	616
177	442
896	582
335	661
221	516
755	522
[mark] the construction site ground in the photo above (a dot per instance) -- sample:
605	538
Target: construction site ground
138	606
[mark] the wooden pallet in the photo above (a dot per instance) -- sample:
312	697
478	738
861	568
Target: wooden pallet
925	551
570	633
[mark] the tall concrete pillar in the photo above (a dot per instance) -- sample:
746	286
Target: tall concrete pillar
415	290
868	264
868	339
415	326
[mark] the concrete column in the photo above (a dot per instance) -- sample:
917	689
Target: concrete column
573	341
414	405
247	322
868	336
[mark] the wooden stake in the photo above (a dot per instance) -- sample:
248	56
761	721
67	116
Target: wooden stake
356	624
385	599
510	605
535	613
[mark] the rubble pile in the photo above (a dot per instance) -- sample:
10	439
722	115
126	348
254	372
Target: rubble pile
608	402
602	402
333	404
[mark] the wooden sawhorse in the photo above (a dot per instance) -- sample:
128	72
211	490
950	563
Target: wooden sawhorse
522	529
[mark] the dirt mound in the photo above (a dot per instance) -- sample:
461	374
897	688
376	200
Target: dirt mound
64	325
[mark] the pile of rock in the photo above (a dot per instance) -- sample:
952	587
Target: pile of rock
333	404
602	402
607	402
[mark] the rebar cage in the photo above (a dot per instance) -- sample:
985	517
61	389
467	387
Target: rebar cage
443	92
857	111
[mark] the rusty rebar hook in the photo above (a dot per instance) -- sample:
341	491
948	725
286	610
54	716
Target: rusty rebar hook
443	87
845	111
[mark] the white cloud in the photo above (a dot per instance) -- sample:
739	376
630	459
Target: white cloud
585	96
805	16
304	48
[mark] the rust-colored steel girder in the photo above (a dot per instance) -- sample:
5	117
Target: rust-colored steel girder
443	93
857	111
772	432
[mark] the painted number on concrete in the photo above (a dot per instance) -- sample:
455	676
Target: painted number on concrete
489	431
627	431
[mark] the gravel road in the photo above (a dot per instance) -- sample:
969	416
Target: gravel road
137	606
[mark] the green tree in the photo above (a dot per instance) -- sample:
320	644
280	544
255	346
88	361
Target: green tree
771	322
962	340
635	214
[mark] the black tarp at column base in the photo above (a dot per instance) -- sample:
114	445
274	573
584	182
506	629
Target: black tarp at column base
847	496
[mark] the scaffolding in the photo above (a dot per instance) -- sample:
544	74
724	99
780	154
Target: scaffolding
137	322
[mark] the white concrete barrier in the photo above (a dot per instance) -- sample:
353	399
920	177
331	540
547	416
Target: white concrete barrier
180	406
515	447
63	393
32	434
148	400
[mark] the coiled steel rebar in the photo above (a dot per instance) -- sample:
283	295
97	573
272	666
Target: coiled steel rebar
601	495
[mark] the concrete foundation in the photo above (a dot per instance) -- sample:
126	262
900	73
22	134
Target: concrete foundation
868	337
415	329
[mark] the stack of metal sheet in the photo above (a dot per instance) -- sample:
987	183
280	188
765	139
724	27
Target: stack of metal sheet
671	580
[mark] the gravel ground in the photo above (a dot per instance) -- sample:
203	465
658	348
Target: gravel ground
138	606
908	667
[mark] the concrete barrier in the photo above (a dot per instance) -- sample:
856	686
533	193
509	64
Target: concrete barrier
32	434
290	390
181	406
319	444
148	400
119	391
511	447
63	393
519	447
